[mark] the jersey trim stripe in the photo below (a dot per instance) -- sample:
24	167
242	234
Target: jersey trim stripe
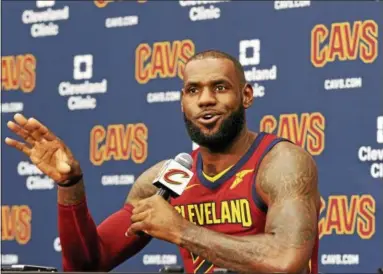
232	171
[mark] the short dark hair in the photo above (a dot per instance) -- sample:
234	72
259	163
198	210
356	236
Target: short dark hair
219	54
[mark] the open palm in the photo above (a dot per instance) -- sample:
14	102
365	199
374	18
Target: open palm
44	149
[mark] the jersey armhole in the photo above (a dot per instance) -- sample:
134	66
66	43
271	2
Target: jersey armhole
258	201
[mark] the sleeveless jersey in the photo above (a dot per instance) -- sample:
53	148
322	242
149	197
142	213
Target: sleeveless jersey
229	205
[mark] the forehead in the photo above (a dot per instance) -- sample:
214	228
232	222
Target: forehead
209	69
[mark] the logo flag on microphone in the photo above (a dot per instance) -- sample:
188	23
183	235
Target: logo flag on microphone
174	177
169	175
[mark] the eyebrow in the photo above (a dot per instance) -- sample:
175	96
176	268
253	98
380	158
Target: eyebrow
220	81
214	82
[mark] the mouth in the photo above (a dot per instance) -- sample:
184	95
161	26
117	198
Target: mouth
209	118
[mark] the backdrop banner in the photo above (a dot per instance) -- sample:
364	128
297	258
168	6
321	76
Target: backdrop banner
106	77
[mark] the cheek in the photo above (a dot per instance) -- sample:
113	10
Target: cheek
230	102
184	105
187	110
188	107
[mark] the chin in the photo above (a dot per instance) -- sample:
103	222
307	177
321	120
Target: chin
210	131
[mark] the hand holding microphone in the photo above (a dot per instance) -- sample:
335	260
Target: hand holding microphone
154	215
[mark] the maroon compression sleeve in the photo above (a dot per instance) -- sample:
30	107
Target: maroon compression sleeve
86	247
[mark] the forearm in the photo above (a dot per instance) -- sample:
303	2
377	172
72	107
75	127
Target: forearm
71	195
248	254
78	237
87	247
76	228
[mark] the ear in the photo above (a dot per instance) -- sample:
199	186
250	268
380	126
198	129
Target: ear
247	96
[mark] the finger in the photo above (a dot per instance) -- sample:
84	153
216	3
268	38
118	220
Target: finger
135	228
139	217
26	125
19	131
42	130
33	128
18	145
20	119
141	207
148	200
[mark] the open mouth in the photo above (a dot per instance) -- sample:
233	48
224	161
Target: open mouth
209	118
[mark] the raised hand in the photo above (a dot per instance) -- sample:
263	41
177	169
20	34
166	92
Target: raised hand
45	150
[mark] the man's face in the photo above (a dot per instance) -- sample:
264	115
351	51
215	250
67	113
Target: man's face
212	103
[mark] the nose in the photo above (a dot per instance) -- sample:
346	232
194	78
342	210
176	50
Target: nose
206	98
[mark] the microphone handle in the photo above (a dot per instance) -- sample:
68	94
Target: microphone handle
164	193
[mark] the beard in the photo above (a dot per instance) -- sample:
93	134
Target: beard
219	141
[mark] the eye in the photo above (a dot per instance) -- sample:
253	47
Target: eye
192	90
220	88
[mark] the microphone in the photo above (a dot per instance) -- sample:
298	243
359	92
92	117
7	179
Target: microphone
174	176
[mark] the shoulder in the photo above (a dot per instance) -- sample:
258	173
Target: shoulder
143	187
286	170
287	157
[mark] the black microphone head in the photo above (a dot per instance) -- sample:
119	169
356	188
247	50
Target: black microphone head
184	159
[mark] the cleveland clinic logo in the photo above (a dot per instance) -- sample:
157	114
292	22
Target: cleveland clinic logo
34	177
374	155
203	10
80	94
379	132
83	67
43	21
250	59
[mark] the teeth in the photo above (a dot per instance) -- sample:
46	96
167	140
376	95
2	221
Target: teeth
208	116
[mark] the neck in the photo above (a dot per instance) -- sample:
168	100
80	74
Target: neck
215	162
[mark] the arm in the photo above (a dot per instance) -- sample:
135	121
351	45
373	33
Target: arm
287	181
87	247
84	245
142	188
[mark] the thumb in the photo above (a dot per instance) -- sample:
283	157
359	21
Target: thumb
61	164
136	229
63	167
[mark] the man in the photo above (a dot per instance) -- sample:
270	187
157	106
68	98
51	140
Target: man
252	205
